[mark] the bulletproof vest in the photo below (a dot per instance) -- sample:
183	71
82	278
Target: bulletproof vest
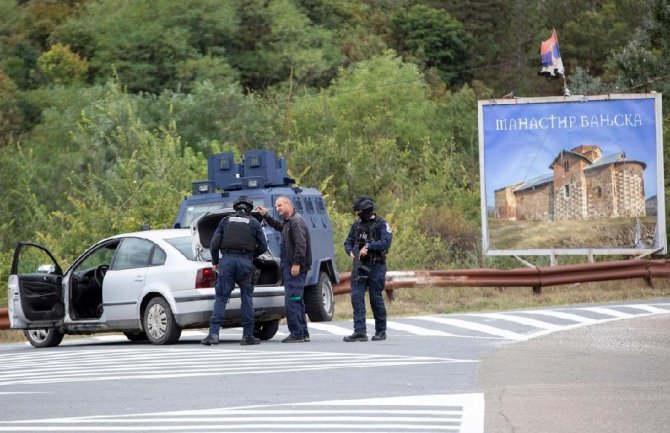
238	234
366	233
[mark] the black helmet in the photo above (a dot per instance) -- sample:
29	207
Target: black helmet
363	203
243	204
364	206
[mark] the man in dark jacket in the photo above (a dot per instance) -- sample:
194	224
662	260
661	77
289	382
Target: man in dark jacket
296	261
240	238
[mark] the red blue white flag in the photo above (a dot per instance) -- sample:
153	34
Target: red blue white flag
552	65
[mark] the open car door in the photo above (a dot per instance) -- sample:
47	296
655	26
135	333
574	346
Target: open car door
35	298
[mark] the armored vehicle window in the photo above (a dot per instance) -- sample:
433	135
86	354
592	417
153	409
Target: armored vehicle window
309	205
195	210
320	207
297	204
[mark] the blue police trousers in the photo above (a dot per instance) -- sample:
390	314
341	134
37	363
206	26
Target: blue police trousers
234	269
375	283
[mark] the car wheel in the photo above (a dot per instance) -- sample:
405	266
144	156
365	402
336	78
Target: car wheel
266	330
159	324
319	303
48	337
135	336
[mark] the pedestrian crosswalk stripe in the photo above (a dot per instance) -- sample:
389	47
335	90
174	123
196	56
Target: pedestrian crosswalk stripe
521	320
180	362
562	315
608	312
649	308
486	329
412	329
439	413
331	329
467	325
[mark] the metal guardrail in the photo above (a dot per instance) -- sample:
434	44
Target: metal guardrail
4	318
534	277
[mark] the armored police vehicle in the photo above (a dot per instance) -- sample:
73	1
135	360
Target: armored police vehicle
262	177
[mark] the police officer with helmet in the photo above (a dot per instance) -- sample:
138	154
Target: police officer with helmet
369	240
239	238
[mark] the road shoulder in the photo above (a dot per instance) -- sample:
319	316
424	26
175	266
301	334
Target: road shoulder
611	377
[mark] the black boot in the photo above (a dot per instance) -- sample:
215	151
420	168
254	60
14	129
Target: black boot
356	336
249	340
210	339
381	335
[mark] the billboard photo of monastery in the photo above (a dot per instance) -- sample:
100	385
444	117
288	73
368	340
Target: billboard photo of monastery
572	175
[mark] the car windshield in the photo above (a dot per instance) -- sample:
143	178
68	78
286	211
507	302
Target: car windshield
184	245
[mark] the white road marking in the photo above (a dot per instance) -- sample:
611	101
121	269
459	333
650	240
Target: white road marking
521	320
330	329
126	364
608	312
412	329
486	329
494	326
648	308
457	413
563	315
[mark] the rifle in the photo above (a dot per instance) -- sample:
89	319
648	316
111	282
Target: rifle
358	270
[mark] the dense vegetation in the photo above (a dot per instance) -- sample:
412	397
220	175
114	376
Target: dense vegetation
108	108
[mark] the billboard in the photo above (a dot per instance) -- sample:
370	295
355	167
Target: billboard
576	175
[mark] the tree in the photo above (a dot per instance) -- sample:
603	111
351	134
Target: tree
144	186
10	114
215	114
642	64
363	129
62	66
146	42
593	34
432	38
278	43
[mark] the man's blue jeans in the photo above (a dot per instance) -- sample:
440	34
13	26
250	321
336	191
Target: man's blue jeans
294	290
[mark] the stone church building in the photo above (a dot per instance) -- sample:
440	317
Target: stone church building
583	185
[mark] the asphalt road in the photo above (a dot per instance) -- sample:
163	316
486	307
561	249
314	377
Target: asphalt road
609	378
563	369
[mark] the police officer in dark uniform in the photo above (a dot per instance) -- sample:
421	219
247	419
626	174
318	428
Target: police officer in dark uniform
369	240
240	238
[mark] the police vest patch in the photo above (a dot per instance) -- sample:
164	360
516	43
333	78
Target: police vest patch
240	220
388	228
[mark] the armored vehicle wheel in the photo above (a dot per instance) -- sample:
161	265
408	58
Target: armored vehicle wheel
319	303
266	330
50	337
159	324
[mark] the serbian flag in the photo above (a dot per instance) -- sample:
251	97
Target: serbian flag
552	65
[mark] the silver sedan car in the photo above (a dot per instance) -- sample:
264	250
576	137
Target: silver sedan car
149	285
